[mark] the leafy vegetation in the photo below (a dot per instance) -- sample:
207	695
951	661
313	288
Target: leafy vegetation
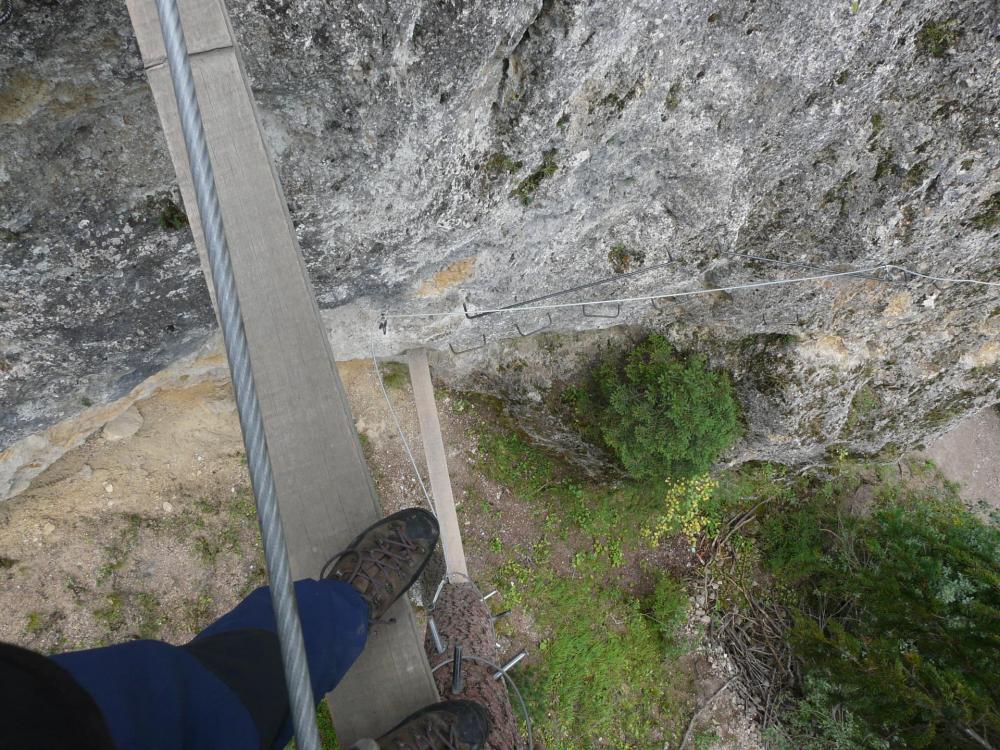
395	375
895	615
819	721
607	673
172	216
526	188
621	257
661	414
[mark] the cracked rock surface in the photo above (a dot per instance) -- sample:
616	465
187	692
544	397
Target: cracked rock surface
490	152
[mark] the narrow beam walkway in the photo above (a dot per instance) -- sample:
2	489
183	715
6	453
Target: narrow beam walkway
325	492
437	462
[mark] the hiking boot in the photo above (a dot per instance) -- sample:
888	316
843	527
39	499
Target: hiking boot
386	558
452	725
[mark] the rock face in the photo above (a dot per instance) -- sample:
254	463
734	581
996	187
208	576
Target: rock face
489	152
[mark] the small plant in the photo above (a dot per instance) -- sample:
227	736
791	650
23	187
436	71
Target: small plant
395	375
172	216
151	620
673	98
498	163
112	614
621	258
664	415
863	406
989	212
35	623
207	550
460	405
935	38
6	563
198	612
526	188
684	509
704	739
878	125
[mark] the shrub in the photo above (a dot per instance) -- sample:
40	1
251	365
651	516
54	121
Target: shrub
664	415
820	722
898	613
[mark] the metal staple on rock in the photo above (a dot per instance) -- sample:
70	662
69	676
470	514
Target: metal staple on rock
258	460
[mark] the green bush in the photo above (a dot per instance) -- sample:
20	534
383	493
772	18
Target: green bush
662	414
898	613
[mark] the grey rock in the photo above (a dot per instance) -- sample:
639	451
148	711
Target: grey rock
125	425
682	132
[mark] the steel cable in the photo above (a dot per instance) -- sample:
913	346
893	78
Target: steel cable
303	708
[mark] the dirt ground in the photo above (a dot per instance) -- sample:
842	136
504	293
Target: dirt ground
153	534
969	454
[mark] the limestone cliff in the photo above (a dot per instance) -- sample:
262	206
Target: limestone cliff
441	151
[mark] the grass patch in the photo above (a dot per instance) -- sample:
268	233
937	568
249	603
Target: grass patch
395	375
35	623
864	406
527	187
6	563
607	672
198	612
150	619
207	550
112	614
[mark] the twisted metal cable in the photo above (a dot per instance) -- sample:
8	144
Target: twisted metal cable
6	11
293	652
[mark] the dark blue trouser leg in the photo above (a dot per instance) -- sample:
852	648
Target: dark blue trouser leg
225	689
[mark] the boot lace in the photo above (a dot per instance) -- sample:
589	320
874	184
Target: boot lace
388	555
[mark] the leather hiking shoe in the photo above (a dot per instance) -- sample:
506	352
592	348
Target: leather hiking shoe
452	725
386	558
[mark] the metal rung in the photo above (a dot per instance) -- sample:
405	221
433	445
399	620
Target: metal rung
510	665
435	636
470	349
456	671
618	311
537	330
